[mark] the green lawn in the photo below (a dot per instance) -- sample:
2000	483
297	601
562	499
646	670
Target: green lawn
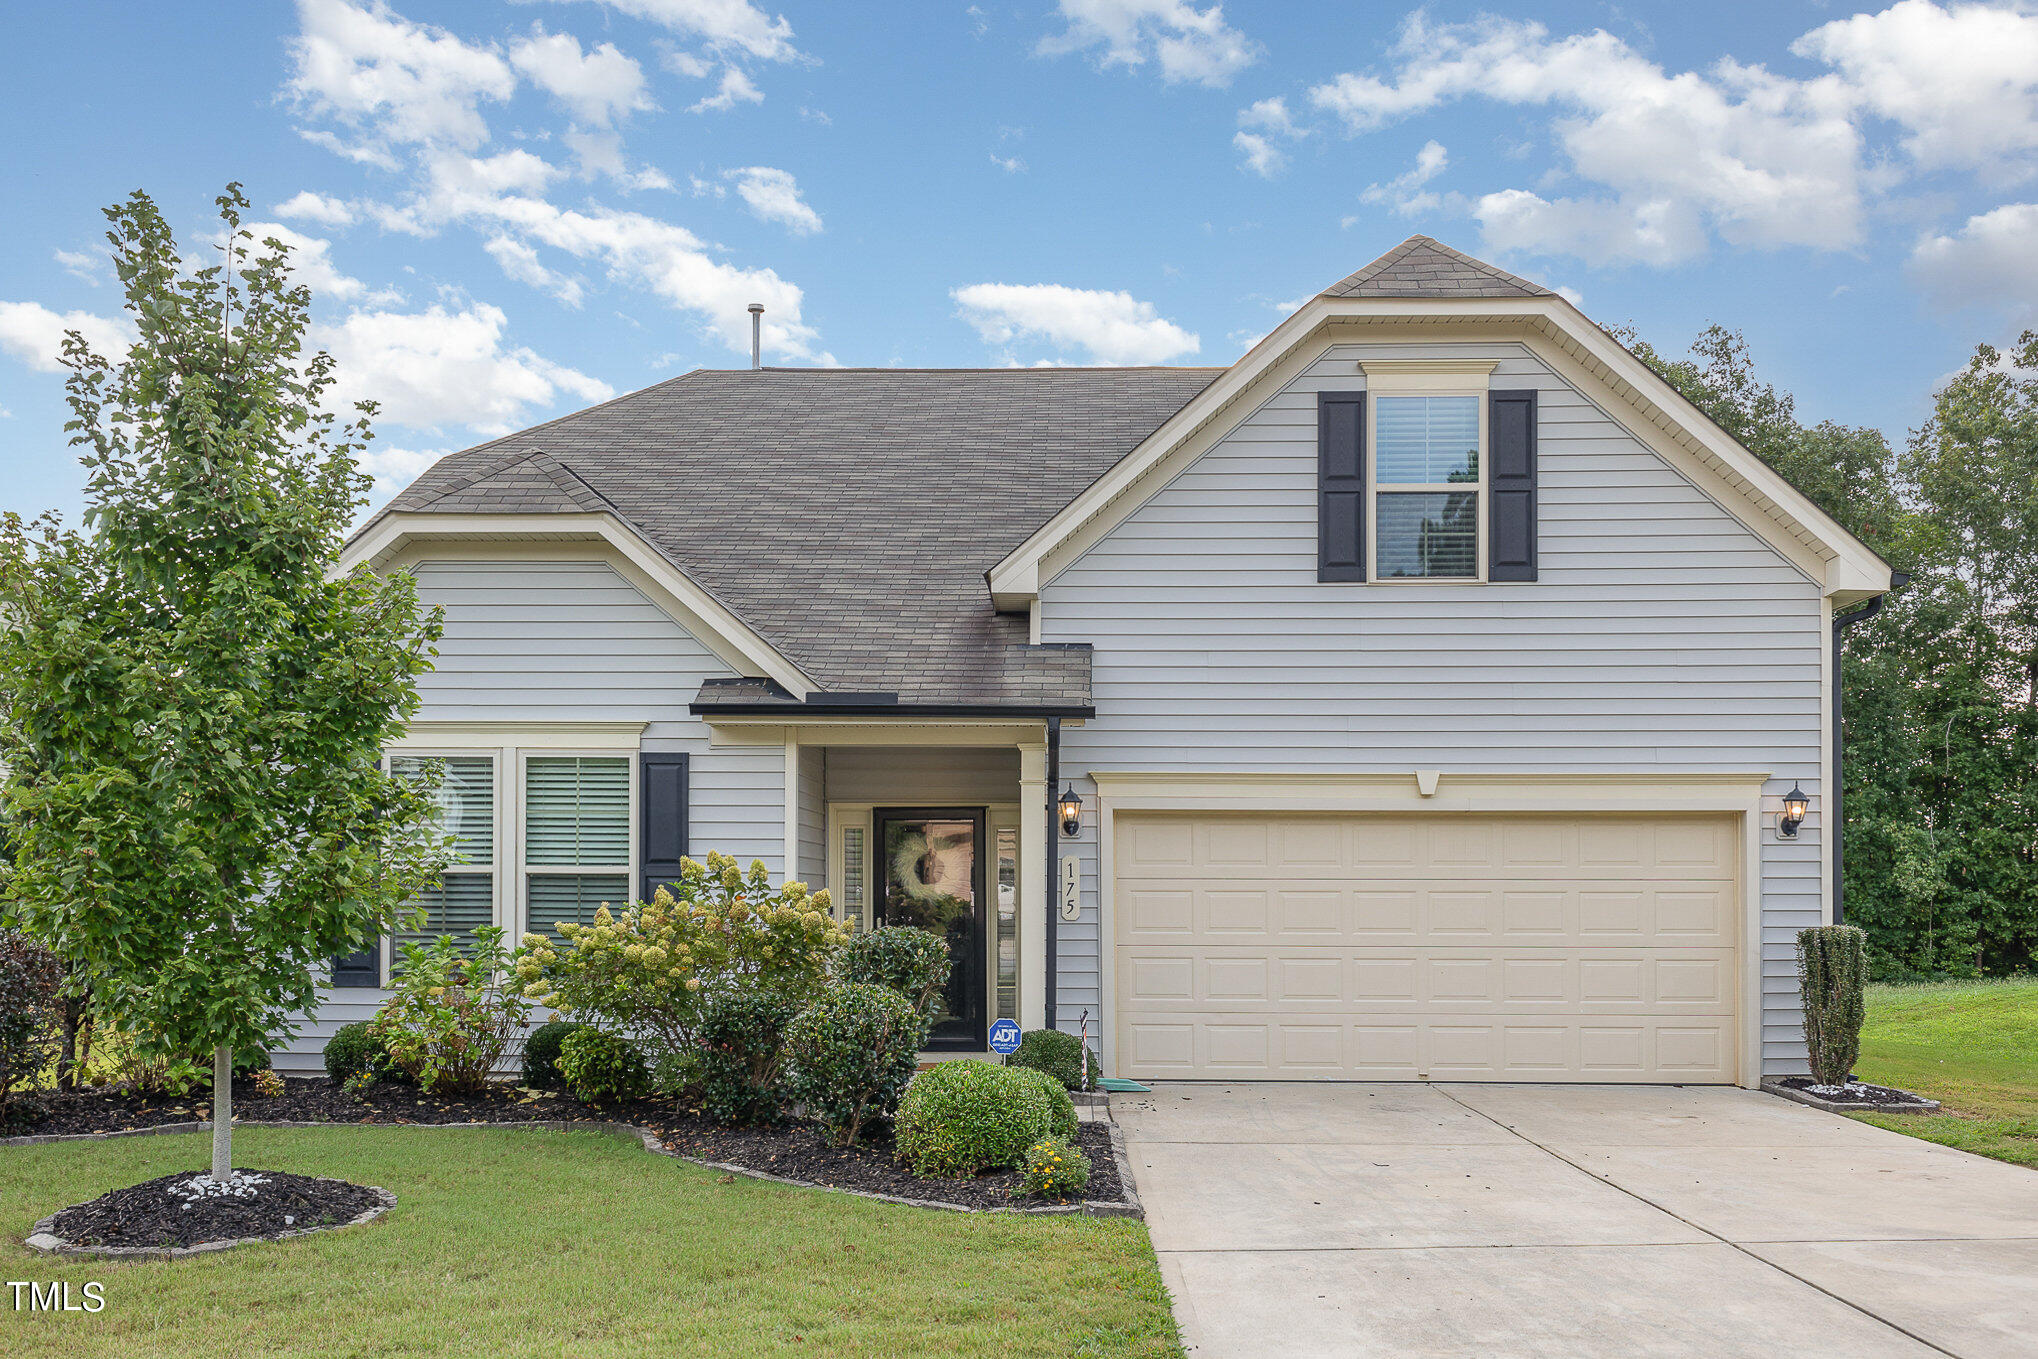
515	1243
1973	1046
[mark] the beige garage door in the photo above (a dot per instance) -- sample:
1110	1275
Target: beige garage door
1445	947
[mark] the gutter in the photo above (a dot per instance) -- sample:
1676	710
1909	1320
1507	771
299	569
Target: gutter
827	707
1835	797
1053	862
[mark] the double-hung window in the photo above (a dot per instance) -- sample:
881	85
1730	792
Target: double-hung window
463	899
1428	487
576	838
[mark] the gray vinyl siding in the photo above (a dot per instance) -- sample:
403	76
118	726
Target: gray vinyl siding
1663	635
813	866
555	641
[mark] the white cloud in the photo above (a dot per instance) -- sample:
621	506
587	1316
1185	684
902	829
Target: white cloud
599	86
311	263
315	207
1262	157
1989	261
730	26
1406	193
1188	44
774	196
378	72
1761	159
1961	80
521	263
34	334
736	88
1113	327
1011	165
439	368
80	264
395	468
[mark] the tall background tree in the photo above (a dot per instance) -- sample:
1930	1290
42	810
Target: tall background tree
195	709
1941	740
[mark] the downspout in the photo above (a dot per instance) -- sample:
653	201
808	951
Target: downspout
1053	858
1835	797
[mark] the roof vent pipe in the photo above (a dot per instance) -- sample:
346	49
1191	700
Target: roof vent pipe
756	335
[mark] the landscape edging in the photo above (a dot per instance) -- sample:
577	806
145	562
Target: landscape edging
651	1142
1775	1086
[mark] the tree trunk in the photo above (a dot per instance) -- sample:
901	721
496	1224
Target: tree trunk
222	1113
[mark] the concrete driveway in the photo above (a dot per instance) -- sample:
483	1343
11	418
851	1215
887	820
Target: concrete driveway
1493	1221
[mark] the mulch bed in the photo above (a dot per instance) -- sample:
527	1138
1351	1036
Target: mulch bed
153	1213
794	1151
1860	1095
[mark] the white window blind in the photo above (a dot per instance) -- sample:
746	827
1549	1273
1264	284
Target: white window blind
464	899
577	810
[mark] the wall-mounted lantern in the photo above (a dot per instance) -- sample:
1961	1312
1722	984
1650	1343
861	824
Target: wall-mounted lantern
1071	810
1795	805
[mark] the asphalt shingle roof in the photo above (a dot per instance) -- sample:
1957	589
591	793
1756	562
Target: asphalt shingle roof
848	515
1423	267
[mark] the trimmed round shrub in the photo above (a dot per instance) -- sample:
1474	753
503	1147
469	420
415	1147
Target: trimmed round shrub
966	1117
740	1060
1061	1110
353	1051
599	1066
912	961
1054	1168
1060	1055
541	1053
851	1053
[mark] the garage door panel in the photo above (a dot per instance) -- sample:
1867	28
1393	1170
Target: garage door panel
1451	947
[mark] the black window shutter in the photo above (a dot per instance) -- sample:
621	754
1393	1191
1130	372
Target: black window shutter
1340	486
664	810
363	968
1511	486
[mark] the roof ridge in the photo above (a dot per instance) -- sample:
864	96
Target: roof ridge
1422	266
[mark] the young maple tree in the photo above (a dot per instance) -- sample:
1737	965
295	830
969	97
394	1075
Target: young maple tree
195	705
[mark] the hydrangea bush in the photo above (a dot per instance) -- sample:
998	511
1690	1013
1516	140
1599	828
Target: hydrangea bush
657	968
453	1020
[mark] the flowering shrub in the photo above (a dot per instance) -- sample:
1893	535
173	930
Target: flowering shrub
29	1029
1054	1168
599	1066
451	1021
656	969
740	1063
912	961
962	1118
851	1053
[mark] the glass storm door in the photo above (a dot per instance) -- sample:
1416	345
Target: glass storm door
930	873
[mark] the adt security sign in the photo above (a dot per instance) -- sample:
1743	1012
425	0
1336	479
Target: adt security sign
1004	1038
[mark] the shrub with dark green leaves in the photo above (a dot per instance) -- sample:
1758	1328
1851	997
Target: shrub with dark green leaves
966	1117
541	1053
912	961
599	1066
740	1060
851	1053
30	1027
1060	1055
1061	1110
353	1050
1832	964
1054	1168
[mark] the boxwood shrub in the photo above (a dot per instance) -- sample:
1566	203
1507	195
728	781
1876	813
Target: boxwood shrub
599	1066
353	1051
851	1053
912	961
541	1053
966	1117
1060	1055
1061	1110
740	1062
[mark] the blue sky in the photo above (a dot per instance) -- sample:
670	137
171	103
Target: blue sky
511	210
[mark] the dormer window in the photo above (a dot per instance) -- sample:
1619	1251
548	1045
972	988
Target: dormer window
1428	488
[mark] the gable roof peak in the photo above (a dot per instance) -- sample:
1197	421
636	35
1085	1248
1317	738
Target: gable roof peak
1423	266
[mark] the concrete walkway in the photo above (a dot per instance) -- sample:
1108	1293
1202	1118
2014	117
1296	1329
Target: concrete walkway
1574	1222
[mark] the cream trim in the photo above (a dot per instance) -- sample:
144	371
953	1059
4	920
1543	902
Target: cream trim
790	865
1843	565
1427	377
1737	794
409	537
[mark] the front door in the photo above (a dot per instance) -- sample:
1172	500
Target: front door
930	873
